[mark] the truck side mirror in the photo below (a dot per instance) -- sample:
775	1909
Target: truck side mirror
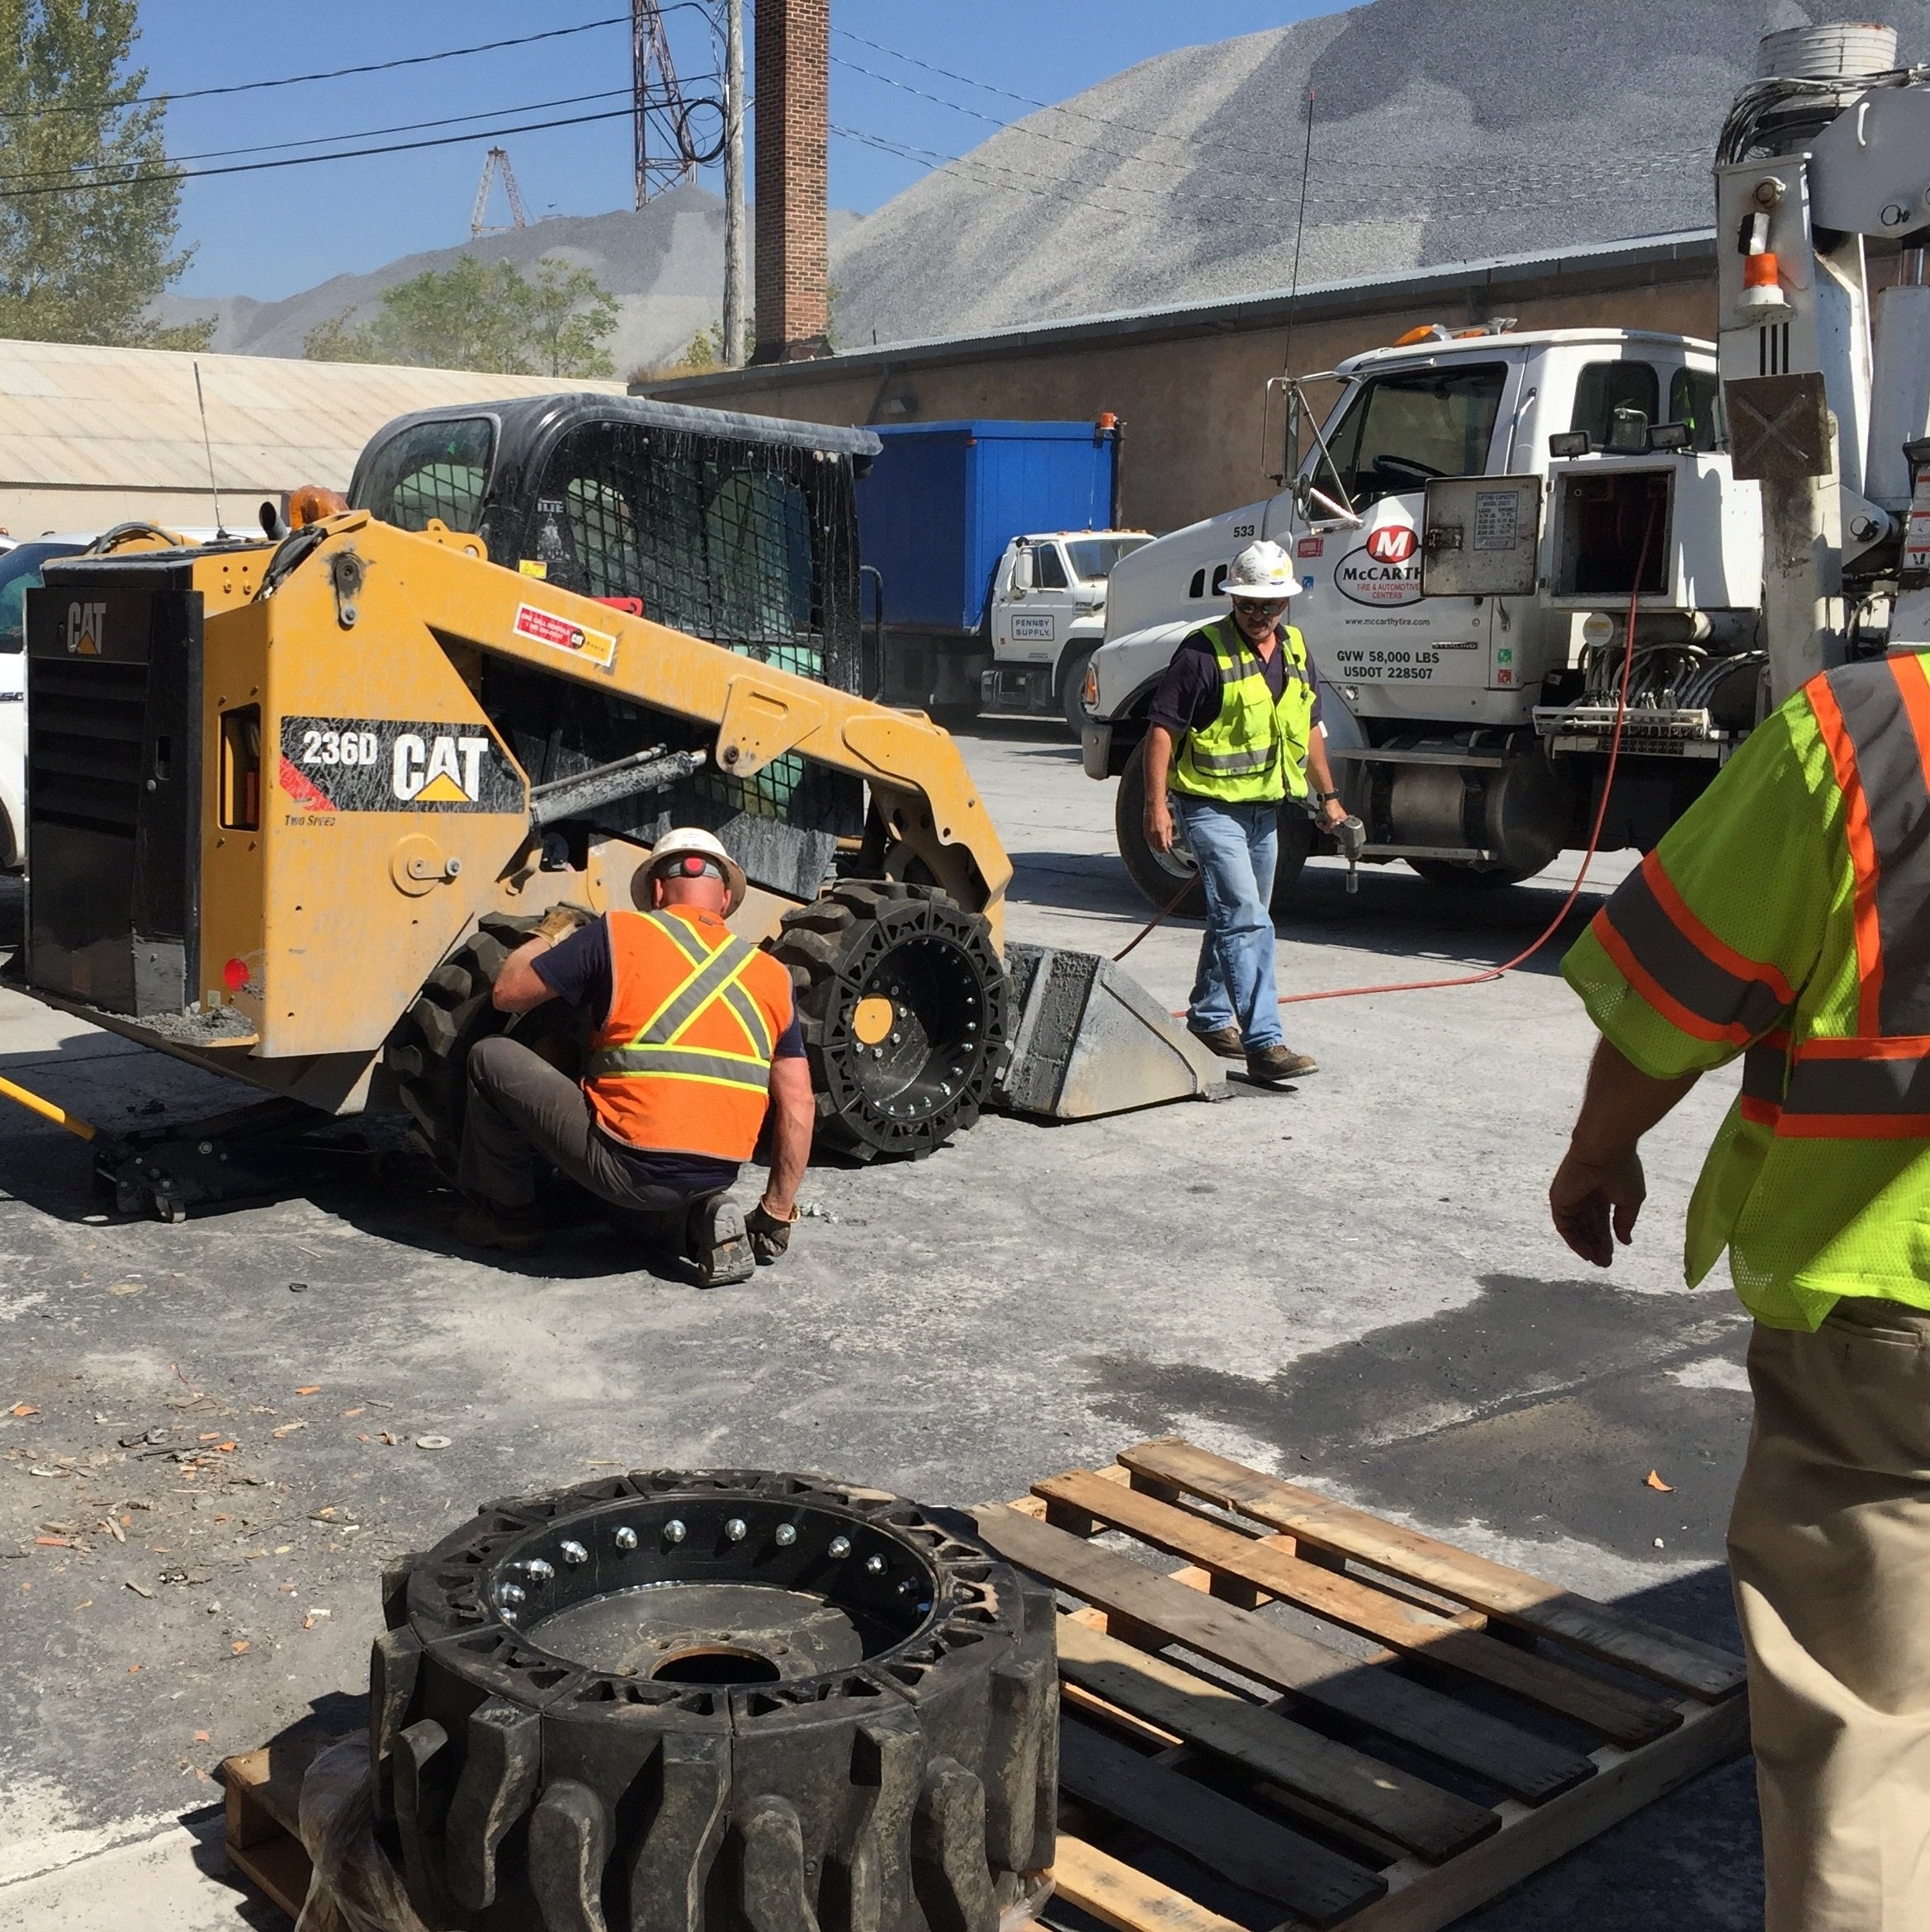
1021	570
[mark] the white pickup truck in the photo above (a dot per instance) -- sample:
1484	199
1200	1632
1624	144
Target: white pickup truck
1470	523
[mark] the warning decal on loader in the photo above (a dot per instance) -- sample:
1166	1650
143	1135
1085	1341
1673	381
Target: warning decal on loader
396	765
546	627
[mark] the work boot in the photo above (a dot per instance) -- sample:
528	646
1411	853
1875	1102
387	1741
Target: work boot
515	1231
1224	1041
719	1246
1275	1063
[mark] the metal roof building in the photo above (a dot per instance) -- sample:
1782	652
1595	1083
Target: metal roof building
92	437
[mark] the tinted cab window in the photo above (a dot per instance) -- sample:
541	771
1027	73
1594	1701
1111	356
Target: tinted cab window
433	469
19	572
1605	387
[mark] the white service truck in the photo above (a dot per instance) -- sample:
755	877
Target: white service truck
1482	510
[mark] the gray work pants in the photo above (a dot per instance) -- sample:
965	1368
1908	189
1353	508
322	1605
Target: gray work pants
519	1106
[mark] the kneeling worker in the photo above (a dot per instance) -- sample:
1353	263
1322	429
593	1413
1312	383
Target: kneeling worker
694	1033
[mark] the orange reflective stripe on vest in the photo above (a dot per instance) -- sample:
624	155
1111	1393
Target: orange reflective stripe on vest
1876	724
1873	1084
682	1061
1688	975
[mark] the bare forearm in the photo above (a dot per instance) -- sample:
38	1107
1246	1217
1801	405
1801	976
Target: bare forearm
1318	769
1159	760
793	1113
519	987
1620	1103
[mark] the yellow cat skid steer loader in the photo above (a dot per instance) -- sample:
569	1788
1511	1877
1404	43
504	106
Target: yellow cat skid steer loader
293	802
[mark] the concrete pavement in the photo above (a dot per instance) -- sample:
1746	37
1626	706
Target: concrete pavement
1352	1282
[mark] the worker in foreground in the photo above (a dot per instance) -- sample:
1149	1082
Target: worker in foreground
1235	730
695	1036
1786	918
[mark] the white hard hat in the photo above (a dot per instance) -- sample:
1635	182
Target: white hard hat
694	841
1262	573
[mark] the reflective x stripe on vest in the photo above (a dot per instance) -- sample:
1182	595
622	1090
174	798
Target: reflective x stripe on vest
712	975
682	1061
1872	1083
1255	750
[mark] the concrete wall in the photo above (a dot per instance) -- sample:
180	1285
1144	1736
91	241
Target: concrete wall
1189	383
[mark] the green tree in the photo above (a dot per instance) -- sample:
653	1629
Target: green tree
83	263
571	315
478	315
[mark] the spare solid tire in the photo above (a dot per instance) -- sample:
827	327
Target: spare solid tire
726	1701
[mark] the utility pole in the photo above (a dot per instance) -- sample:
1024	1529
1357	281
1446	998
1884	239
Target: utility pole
734	243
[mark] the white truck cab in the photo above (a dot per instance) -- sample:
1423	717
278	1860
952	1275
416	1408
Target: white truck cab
1048	616
1470	525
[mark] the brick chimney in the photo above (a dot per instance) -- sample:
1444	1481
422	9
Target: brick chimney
793	87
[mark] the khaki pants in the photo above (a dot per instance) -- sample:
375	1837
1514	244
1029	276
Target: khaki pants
1829	1548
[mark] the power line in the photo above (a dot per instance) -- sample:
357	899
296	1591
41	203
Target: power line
315	140
336	73
172	174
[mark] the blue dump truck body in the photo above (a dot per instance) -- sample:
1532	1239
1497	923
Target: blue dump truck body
935	513
943	499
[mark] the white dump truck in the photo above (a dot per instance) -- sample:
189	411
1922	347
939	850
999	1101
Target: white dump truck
1482	510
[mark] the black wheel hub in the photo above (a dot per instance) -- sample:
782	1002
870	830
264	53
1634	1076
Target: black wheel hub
903	1002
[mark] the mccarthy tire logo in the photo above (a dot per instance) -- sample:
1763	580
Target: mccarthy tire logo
1384	571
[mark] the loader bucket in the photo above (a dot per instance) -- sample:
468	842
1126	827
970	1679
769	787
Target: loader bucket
1088	1039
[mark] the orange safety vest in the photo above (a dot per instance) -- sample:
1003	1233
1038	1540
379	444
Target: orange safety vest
682	1063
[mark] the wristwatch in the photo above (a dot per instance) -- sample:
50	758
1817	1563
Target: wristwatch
1323	797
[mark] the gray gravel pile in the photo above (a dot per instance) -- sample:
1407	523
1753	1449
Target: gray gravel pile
664	263
1446	130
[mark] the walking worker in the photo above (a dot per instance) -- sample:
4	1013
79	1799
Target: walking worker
1785	919
1236	729
695	1036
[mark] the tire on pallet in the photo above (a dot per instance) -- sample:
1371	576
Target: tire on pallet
902	1003
720	1702
427	1053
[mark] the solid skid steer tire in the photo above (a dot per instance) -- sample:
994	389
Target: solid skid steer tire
427	1054
902	1003
720	1702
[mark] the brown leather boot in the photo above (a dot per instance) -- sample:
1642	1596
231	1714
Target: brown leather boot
1275	1063
1224	1041
515	1231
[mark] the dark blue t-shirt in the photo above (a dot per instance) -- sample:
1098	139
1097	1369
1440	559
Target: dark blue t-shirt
577	971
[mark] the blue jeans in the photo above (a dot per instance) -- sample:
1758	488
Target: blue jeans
1236	845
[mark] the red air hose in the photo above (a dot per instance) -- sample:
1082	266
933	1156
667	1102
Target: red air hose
1553	926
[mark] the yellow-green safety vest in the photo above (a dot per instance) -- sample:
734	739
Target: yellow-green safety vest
1785	920
1255	749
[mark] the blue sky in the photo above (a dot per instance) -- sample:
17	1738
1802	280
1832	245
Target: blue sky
267	234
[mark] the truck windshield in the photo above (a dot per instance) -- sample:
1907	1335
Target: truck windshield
1092	558
1400	429
19	572
436	469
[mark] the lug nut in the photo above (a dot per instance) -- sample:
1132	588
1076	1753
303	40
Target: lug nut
510	1593
625	1538
786	1535
538	1570
735	1530
841	1547
673	1531
874	1565
574	1552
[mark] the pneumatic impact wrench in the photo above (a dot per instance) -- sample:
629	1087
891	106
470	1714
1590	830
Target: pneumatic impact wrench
1350	837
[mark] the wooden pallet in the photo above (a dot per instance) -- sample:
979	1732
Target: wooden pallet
264	1794
1303	1778
1423	1801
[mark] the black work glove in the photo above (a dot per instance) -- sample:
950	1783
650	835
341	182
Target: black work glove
770	1237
